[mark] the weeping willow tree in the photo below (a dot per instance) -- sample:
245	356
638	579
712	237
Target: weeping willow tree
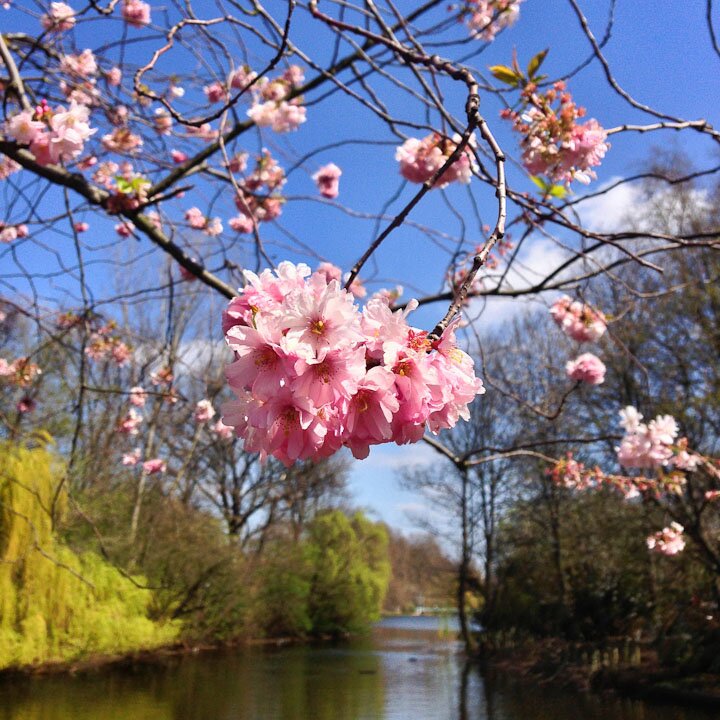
56	604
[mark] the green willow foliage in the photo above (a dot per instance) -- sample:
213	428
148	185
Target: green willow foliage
330	583
55	604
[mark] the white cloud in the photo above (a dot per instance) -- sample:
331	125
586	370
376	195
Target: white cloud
609	211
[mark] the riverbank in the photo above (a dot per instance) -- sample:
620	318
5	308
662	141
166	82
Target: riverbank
152	656
554	663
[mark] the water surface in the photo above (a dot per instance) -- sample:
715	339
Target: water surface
407	669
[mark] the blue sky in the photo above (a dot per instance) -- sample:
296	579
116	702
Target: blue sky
660	52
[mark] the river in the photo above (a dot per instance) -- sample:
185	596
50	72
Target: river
407	669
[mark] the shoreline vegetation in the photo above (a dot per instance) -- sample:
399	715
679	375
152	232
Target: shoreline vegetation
640	676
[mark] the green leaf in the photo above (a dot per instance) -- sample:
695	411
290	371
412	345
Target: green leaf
539	182
558	191
536	62
505	74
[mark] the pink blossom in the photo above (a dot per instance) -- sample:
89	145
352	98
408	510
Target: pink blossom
70	131
136	13
241	78
138	396
579	321
213	227
204	132
238	162
286	426
370	412
8	233
21	371
113	76
242	224
162	121
587	368
486	18
120	353
712	495
215	92
162	376
23	129
221	430
82	65
327	179
125	229
421	159
312	373
81	227
121	140
553	142
281	116
646	446
7	167
178	156
26	404
131	458
60	18
129	425
668	541
569	473
294	75
154	466
204	412
195	218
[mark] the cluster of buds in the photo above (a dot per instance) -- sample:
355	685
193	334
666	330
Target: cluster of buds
9	233
259	199
20	372
103	345
272	105
668	541
554	144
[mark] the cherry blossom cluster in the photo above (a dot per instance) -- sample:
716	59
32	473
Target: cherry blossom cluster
198	221
570	474
272	105
554	143
313	373
421	159
577	320
654	444
586	368
327	179
259	199
105	347
60	18
668	541
486	18
582	323
9	233
136	13
52	136
20	372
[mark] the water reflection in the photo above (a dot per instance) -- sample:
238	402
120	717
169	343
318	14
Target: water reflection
405	671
